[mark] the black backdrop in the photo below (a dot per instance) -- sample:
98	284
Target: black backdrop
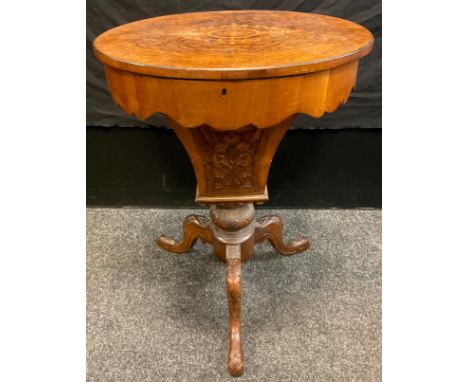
340	153
363	109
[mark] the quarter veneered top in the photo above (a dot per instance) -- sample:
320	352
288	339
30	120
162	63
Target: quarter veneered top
233	44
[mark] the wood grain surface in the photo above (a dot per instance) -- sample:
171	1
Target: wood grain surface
214	75
233	44
231	105
231	166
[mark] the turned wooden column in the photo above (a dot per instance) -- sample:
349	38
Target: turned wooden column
230	83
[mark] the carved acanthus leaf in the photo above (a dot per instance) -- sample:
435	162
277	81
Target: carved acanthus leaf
231	156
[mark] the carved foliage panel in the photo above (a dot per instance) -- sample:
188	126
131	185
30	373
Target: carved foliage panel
231	165
229	159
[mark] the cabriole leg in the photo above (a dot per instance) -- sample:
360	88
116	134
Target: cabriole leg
233	289
271	227
195	227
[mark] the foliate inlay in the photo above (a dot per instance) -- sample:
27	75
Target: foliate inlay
231	156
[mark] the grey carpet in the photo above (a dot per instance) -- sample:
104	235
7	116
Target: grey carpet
158	316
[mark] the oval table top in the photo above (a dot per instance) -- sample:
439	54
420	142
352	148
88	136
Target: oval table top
233	44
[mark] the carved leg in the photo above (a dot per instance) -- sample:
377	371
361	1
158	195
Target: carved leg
271	227
195	227
233	288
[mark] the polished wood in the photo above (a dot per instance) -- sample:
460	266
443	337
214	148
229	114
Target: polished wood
230	84
195	227
271	228
230	165
233	232
233	290
233	44
232	105
232	217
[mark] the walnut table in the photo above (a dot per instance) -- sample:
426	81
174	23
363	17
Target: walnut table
230	83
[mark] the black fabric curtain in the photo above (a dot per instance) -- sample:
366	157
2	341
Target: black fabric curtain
363	109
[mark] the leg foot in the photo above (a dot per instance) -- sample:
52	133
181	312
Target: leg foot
195	227
271	227
233	288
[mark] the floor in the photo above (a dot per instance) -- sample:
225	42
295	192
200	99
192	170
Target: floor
158	316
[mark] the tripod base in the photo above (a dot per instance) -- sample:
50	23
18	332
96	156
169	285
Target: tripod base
233	232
